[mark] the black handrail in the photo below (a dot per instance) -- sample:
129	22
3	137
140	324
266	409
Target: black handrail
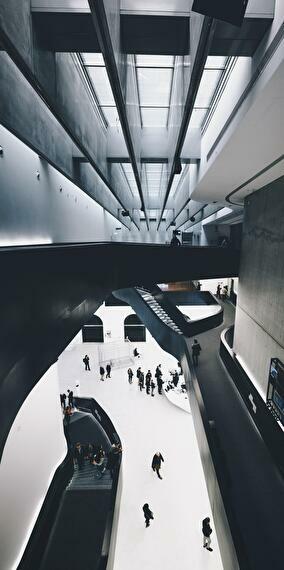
92	406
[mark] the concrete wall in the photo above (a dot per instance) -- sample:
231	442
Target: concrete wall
48	209
35	447
259	330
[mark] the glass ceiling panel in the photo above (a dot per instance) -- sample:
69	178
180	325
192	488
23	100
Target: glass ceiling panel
154	86
215	61
154	116
155	178
213	70
111	115
208	84
101	84
178	178
93	58
154	60
197	117
128	172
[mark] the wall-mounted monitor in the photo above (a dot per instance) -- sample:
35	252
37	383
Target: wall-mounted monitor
275	391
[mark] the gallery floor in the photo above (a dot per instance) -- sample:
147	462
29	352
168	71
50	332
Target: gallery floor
148	424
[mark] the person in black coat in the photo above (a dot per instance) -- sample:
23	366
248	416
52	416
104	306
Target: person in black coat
175	379
86	361
79	455
175	241
102	372
138	372
108	369
160	383
147	514
130	375
158	371
148	381
70	398
156	463
63	400
153	386
141	381
196	349
206	530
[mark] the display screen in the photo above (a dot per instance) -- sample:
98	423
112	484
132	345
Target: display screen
275	393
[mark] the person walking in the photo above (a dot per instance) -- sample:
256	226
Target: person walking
141	381
196	349
70	398
79	455
153	386
63	400
224	293
147	514
175	241
160	383
148	381
175	378
138	372
207	530
158	371
156	463
108	370
130	375
86	361
218	291
99	463
102	372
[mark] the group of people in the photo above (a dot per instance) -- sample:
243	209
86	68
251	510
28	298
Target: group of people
147	380
69	397
103	372
106	371
173	383
97	457
222	291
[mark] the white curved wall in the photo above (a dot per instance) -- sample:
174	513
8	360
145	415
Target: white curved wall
35	447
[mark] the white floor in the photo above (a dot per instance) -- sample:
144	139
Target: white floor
146	425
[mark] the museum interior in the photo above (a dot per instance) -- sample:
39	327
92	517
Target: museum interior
142	299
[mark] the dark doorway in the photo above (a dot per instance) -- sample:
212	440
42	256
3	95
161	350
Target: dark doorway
93	331
134	329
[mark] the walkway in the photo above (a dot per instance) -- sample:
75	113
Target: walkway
257	488
146	425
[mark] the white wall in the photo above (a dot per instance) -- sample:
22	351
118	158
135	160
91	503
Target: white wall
36	210
35	447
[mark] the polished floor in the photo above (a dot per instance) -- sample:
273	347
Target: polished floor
148	424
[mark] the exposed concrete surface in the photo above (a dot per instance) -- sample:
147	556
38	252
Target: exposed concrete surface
259	331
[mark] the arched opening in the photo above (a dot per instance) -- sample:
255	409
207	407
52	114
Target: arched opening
93	331
134	329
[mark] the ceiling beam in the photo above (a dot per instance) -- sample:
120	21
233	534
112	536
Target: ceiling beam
72	30
103	32
203	47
